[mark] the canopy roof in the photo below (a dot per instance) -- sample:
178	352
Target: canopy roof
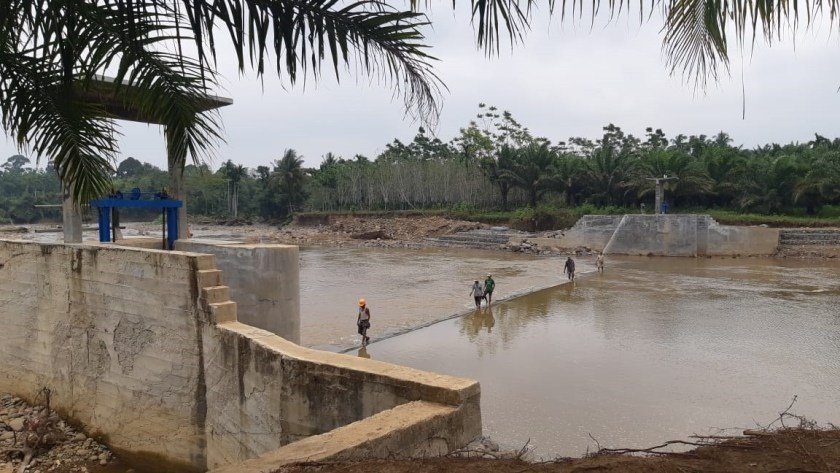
108	93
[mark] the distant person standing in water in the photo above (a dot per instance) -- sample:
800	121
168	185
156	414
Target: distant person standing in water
363	321
489	285
478	293
569	268
599	262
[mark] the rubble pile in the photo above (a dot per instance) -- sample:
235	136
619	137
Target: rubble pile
35	439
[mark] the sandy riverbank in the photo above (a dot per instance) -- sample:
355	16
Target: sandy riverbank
337	231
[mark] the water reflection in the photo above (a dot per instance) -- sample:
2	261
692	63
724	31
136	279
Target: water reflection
363	353
404	288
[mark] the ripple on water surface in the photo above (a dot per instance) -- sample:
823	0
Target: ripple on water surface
404	288
653	349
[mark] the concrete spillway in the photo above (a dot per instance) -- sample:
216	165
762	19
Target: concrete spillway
669	235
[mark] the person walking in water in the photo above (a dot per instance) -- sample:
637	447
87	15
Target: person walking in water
363	321
569	268
478	293
489	285
599	262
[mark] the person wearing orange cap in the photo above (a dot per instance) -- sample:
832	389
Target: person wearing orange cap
363	321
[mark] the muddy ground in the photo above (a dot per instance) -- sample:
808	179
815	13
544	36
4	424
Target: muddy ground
789	450
349	230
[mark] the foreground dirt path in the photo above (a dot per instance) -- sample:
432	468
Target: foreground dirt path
788	450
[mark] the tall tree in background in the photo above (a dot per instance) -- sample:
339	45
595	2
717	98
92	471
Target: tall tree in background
288	176
532	169
233	173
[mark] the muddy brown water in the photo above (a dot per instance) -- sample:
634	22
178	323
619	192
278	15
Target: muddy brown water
404	288
653	349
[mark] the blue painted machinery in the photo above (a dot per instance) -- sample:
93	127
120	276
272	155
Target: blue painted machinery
109	213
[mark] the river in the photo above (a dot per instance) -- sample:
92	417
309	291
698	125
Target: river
652	349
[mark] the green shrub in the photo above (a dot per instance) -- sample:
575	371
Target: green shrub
463	208
829	211
542	218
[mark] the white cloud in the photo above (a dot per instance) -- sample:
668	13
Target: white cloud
566	80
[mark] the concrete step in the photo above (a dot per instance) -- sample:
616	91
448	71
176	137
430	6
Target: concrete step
215	294
481	238
462	244
809	237
474	238
810	243
223	312
794	238
209	277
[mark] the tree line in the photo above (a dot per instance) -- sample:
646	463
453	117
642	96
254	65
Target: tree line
494	163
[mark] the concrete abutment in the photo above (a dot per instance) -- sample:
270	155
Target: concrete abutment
666	235
148	348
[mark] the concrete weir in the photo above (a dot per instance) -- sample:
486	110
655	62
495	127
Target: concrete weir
146	348
666	235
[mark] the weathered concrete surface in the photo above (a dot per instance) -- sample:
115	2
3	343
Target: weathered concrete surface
144	347
415	429
658	235
115	333
725	240
665	235
264	280
591	231
292	392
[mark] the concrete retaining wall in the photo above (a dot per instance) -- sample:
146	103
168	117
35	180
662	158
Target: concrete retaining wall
725	240
658	235
666	235
292	392
591	231
116	335
264	281
144	347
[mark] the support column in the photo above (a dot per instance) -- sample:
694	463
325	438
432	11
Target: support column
176	189
71	218
657	209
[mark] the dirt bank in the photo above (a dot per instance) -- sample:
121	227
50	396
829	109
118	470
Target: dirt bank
342	231
787	450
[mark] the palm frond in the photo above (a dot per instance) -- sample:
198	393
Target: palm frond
301	35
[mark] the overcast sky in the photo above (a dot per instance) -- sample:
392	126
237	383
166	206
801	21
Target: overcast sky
565	80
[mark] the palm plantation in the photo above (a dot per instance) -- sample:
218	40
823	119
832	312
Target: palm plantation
52	54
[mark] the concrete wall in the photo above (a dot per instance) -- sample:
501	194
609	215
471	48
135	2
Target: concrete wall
591	231
724	240
416	429
665	235
144	347
115	334
658	235
264	281
292	392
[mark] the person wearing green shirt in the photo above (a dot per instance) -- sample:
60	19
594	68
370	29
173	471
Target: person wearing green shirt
489	285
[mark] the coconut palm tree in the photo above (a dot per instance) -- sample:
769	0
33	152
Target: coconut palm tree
233	173
497	169
288	175
609	165
693	180
532	169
